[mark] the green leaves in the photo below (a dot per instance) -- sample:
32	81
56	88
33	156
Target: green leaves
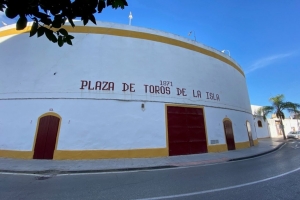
60	37
50	35
49	16
64	37
85	19
278	106
266	110
71	21
57	22
68	40
92	18
101	5
21	23
60	41
63	31
119	3
41	31
34	28
11	13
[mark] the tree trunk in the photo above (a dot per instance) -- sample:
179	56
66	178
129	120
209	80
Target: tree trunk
282	129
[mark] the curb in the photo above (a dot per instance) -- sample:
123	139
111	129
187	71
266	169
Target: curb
257	155
57	172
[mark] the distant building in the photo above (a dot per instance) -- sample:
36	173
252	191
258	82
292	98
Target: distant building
271	127
261	126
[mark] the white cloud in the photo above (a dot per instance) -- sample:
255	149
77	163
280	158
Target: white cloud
264	62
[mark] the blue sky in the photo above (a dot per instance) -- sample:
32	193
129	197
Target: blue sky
262	36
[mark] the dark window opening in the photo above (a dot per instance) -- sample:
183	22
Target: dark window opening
259	124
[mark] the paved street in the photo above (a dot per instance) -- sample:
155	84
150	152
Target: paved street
272	176
100	165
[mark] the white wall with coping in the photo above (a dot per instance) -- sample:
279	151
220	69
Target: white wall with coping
45	76
269	126
85	125
121	62
104	125
215	128
288	126
262	132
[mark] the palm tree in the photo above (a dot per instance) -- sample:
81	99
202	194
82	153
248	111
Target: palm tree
278	106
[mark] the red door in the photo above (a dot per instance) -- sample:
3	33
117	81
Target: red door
186	131
46	137
229	135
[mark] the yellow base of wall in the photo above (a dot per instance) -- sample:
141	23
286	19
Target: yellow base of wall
217	148
90	154
16	154
242	145
223	147
107	154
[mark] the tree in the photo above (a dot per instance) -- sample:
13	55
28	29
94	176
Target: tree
49	16
278	106
294	110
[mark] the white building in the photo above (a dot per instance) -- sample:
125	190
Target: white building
271	127
119	92
261	126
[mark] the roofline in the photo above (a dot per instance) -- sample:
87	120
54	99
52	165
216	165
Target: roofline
142	33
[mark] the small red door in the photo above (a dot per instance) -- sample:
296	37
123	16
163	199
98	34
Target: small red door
229	135
186	131
46	137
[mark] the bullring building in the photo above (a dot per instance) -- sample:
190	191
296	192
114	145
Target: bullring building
119	92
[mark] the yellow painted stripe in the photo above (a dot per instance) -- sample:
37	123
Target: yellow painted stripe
135	34
16	154
217	148
90	154
223	147
255	142
13	31
108	154
242	145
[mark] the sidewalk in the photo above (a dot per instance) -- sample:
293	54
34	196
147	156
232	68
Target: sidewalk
108	165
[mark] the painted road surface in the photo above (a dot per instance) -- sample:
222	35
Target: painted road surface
272	176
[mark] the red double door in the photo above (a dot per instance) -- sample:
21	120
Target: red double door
186	131
46	137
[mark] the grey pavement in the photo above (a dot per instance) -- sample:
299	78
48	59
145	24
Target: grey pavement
264	146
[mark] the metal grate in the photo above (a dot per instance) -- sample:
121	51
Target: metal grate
214	141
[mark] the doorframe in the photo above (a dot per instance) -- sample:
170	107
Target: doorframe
187	106
251	142
228	119
37	128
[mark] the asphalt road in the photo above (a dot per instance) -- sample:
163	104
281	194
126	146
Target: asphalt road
272	176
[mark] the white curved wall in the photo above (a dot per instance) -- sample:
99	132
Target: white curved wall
120	60
37	76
